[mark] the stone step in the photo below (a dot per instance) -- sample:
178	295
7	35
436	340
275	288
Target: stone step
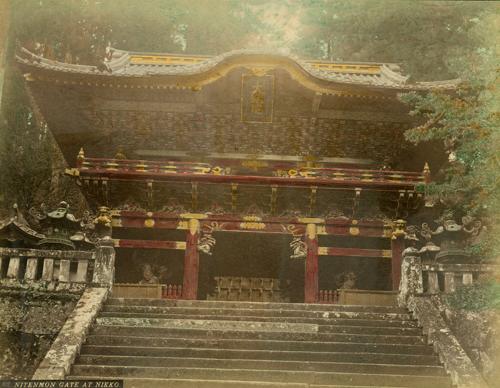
262	312
230	325
255	318
173	362
252	344
211	324
194	383
263	375
253	305
333	329
208	334
207	352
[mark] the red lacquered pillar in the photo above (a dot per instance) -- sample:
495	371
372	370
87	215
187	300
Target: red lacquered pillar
397	248
311	270
191	262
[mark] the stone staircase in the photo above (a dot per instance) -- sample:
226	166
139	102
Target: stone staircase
212	344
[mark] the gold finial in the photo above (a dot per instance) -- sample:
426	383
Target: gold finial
120	153
81	154
427	173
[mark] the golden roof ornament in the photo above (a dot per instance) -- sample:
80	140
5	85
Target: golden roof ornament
426	173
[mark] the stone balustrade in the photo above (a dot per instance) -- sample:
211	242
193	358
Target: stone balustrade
435	278
446	278
54	268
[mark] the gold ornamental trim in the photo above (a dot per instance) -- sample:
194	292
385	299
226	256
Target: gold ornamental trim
196	216
72	171
254	164
253	225
149	222
252	218
116	222
260	71
323	251
311	220
321	229
180	245
354	231
183	225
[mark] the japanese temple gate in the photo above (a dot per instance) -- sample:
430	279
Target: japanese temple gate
308	228
245	142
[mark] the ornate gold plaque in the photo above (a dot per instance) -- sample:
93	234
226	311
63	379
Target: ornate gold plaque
257	98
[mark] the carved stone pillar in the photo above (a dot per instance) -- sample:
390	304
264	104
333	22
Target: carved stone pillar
411	276
311	279
104	266
191	261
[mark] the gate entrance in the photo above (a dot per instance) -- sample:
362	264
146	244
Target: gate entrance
249	266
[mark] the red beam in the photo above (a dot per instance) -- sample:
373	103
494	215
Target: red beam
271	165
232	222
256	227
248	179
342	221
354	230
354	252
149	244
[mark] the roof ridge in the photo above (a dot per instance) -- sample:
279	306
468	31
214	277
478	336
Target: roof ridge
121	63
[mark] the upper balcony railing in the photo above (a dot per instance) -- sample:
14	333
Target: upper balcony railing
181	170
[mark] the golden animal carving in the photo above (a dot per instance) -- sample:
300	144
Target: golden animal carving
399	229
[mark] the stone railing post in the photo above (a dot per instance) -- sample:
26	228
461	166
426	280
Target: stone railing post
104	265
411	282
13	270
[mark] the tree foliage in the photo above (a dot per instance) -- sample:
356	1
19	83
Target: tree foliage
467	122
423	36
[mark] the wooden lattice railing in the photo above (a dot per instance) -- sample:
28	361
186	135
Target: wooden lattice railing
328	296
155	291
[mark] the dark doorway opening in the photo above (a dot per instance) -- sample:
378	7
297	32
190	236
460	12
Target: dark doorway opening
257	259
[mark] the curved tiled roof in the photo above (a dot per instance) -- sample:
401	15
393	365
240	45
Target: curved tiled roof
131	64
